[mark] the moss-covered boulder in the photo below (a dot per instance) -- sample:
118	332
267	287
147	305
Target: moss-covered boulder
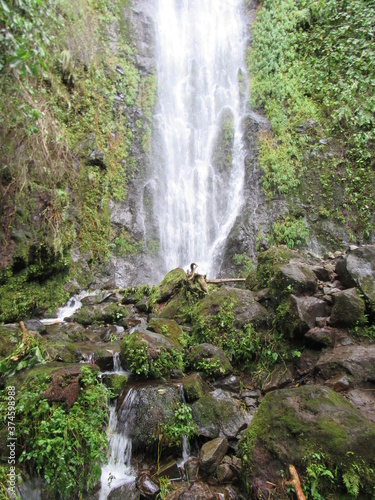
167	327
171	284
284	271
209	360
143	411
150	354
357	268
115	382
194	387
348	308
9	337
217	414
296	315
232	304
315	429
107	313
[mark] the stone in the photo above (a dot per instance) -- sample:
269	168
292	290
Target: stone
298	276
339	383
301	314
194	387
289	422
126	491
348	309
97	158
320	337
167	327
210	360
211	454
231	383
35	325
224	473
357	268
168	469
106	313
198	491
279	378
357	360
217	414
171	284
191	468
147	487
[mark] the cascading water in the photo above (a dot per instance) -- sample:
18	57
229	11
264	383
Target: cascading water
200	68
118	471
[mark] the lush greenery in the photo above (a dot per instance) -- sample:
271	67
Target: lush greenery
66	98
312	67
65	447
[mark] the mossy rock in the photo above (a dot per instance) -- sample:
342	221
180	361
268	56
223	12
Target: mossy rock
209	360
270	260
167	327
293	424
242	304
116	382
217	414
9	338
348	309
194	387
251	282
171	284
150	354
179	307
101	314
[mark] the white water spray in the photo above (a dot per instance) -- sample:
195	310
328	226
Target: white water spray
200	55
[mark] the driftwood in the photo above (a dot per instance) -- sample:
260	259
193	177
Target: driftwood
197	278
296	483
226	280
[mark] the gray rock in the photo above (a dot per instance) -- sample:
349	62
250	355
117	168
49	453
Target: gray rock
303	312
126	491
339	383
357	360
217	414
35	325
348	308
358	269
97	158
210	360
320	337
279	378
211	454
191	468
147	487
299	276
231	383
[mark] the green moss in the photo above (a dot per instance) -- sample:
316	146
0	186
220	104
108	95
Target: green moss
169	328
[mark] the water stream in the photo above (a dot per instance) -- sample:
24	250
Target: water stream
200	103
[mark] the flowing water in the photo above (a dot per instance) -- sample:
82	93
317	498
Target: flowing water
200	69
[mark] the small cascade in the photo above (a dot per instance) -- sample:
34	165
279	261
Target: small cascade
117	363
66	311
118	470
185	442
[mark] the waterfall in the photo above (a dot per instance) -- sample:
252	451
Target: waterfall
118	471
200	104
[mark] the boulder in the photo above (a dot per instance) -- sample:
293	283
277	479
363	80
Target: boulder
209	360
167	327
348	309
357	268
106	313
147	487
171	284
296	276
280	377
191	468
128	491
150	354
231	383
297	315
211	454
245	308
320	337
355	360
291	424
141	412
217	414
194	387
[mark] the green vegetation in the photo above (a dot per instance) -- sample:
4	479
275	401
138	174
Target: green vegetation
289	231
66	95
65	446
312	72
171	434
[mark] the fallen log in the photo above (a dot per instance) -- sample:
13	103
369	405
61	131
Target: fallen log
226	280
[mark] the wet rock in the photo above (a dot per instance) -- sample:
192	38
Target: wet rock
302	313
198	491
209	360
290	421
339	383
357	360
191	469
168	469
217	414
348	308
320	337
147	487
357	268
167	327
231	383
116	382
126	491
152	405
194	387
224	473
279	378
245	308
211	454
35	325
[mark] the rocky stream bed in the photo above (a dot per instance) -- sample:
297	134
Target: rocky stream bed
279	372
